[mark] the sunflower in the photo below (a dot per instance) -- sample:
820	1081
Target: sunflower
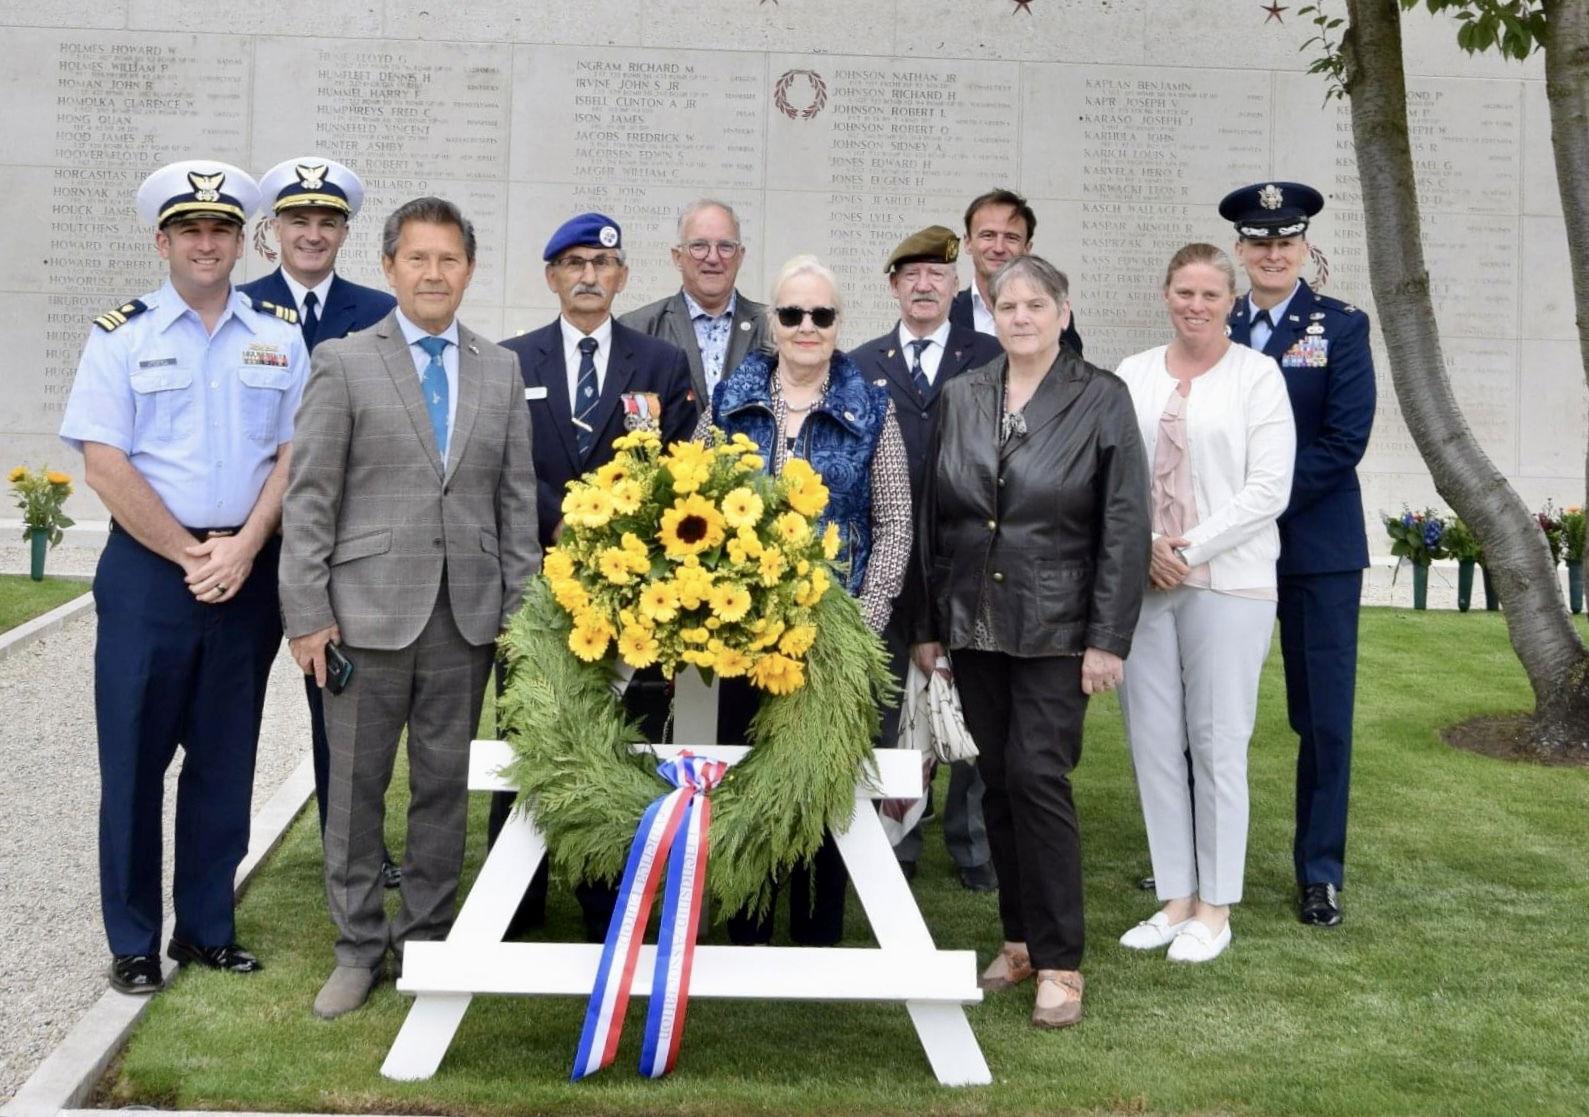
619	469
777	674
691	526
742	508
730	602
638	647
587	643
659	602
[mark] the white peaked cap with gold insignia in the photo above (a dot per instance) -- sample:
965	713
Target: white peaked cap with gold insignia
312	180
197	188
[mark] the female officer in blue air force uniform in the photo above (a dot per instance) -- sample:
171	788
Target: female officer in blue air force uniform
1322	347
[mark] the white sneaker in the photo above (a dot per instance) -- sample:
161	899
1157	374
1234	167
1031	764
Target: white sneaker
1152	934
1196	943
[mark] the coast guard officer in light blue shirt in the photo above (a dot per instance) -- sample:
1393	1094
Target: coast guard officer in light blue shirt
183	410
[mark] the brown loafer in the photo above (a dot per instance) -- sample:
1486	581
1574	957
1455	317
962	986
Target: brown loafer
1068	1011
1008	969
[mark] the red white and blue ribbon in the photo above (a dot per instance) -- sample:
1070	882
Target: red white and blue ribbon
670	847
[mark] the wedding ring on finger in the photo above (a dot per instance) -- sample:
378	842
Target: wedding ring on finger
220	588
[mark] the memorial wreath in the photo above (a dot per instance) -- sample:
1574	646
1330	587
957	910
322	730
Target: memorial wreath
687	556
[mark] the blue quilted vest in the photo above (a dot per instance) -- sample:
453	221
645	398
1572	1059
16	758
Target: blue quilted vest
837	438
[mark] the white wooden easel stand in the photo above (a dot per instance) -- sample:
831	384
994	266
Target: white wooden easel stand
905	966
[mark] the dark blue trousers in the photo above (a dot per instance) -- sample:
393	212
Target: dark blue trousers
170	671
1318	638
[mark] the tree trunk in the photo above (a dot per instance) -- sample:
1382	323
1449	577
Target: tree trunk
1537	620
1566	48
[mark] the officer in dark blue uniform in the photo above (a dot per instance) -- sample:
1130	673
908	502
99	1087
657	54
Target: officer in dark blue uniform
313	200
1322	347
183	411
914	360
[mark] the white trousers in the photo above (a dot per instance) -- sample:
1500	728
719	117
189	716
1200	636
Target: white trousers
1190	697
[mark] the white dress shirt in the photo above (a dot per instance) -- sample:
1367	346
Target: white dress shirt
572	335
300	292
932	356
981	312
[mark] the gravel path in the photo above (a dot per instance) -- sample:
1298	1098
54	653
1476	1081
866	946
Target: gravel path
52	943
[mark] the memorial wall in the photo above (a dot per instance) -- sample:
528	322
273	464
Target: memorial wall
833	127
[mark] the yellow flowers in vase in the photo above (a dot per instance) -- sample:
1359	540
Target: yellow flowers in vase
692	554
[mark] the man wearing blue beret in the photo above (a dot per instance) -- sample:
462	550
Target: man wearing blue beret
589	379
1321	345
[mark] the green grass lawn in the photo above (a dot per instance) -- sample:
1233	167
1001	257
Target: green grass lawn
1455	986
22	599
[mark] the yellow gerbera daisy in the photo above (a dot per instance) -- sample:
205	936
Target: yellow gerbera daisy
792	528
742	508
659	602
626	497
614	565
730	602
638	647
587	507
772	565
691	526
732	663
588	644
830	541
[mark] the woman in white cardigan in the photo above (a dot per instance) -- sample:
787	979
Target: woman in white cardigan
1216	424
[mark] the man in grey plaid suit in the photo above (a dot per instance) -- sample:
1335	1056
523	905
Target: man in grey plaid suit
409	531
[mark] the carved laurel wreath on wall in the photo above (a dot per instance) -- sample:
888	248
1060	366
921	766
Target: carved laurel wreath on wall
1321	266
261	241
819	94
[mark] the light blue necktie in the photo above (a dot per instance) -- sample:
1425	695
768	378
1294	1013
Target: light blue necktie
433	382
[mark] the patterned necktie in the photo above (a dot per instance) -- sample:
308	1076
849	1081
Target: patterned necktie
311	321
586	396
918	375
433	383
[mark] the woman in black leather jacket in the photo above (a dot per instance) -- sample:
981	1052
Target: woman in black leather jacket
1032	550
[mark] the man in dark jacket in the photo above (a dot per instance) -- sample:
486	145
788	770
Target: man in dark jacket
1000	225
914	361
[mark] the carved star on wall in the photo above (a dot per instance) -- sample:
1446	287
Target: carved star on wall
1274	9
1022	6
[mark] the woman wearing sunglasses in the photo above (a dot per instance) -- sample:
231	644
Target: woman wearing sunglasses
1032	551
807	399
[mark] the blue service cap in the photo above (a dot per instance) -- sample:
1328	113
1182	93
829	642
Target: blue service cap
588	230
312	181
197	188
1271	209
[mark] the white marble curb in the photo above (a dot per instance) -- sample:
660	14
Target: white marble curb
67	1076
14	640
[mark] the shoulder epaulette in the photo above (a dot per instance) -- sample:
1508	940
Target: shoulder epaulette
1336	304
112	319
285	313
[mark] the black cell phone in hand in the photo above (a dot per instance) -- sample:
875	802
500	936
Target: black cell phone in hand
339	669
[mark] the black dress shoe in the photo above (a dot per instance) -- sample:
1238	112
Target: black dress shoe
909	869
1321	905
980	878
1147	884
231	958
135	973
391	873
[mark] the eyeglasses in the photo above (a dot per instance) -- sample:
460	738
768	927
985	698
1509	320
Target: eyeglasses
821	316
701	249
575	265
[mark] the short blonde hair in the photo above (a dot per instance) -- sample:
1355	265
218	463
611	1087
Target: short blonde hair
1199	252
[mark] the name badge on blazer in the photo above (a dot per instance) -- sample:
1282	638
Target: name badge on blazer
642	411
537	392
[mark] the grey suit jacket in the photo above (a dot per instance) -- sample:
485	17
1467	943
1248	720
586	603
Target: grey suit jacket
669	319
372	518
